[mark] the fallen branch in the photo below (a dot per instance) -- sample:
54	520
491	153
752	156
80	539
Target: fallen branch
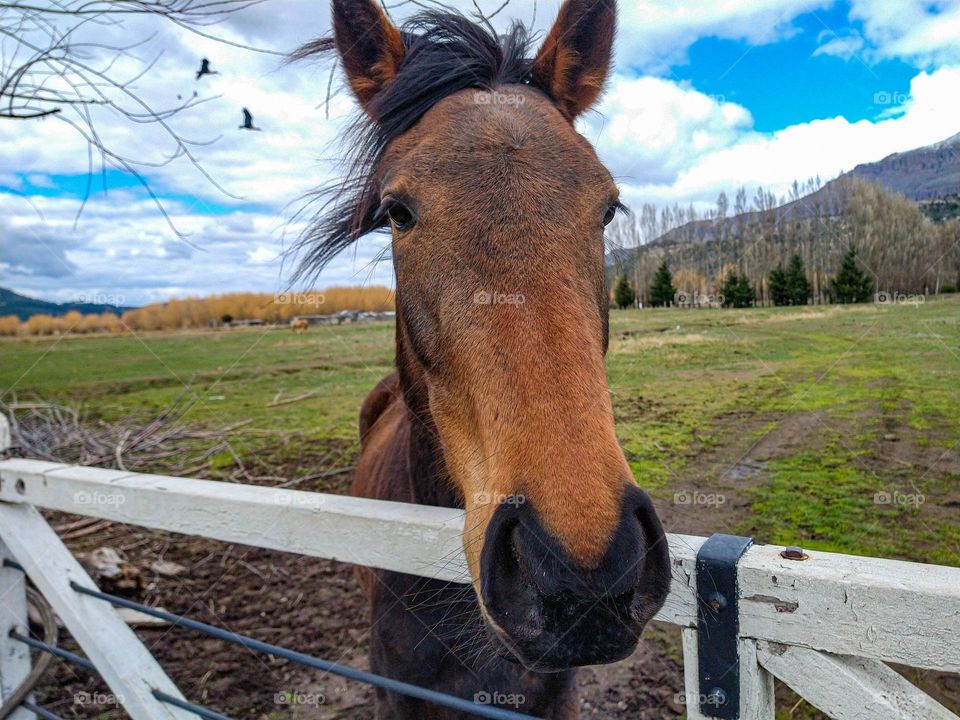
297	398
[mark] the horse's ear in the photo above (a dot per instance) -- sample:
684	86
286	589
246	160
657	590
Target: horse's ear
370	46
573	64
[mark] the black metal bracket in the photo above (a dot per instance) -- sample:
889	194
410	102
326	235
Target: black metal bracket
718	625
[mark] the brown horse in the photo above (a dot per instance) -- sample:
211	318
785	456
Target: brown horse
467	152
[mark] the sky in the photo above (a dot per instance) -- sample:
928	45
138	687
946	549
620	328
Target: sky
705	97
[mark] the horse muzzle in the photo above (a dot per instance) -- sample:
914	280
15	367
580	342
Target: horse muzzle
551	615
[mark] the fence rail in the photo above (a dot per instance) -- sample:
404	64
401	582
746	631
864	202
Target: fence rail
825	625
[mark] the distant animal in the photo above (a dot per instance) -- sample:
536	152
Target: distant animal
205	69
299	326
468	154
248	121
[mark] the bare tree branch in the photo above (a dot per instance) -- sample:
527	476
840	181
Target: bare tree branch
49	70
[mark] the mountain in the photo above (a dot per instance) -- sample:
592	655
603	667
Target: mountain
12	303
928	176
924	174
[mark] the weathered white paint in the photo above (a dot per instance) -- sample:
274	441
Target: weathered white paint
849	688
395	536
14	656
125	664
5	439
691	679
878	609
757	700
886	610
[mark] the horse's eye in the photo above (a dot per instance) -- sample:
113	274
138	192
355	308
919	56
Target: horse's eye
610	215
400	216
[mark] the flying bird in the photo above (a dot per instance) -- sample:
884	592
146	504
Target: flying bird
205	69
248	121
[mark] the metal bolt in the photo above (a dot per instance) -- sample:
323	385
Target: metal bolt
794	552
717	697
717	601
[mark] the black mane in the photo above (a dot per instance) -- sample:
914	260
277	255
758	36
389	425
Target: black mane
445	53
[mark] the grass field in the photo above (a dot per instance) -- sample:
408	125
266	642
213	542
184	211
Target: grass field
833	427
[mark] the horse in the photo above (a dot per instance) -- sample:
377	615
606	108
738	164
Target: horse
466	152
299	326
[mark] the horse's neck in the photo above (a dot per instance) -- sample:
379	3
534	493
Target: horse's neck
430	483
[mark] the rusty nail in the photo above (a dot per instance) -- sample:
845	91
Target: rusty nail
794	552
717	601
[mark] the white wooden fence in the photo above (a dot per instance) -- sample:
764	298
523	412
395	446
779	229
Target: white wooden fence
826	626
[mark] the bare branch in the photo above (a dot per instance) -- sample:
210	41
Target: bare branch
49	68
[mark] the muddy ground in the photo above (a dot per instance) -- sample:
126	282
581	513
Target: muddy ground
315	606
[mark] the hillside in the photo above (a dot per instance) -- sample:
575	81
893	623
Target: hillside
928	176
926	173
12	303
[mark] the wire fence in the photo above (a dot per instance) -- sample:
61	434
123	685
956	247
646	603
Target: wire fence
379	681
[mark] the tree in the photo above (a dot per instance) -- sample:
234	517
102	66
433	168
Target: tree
798	289
736	291
59	63
623	294
851	285
662	291
778	286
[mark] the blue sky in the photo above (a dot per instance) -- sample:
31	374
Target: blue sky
705	97
784	83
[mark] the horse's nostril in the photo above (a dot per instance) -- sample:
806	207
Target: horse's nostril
552	612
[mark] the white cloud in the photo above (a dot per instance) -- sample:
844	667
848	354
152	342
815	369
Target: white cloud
655	34
261	256
650	130
824	147
915	30
845	46
122	247
664	140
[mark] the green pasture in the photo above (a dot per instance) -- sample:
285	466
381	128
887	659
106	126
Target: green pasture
833	427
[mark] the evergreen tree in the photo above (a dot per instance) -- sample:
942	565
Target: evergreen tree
798	288
623	294
662	291
851	285
736	291
778	286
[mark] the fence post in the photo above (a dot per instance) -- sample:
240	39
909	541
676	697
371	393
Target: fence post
120	658
756	684
14	656
6	439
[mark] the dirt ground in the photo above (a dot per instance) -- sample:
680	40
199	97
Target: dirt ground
315	606
311	605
